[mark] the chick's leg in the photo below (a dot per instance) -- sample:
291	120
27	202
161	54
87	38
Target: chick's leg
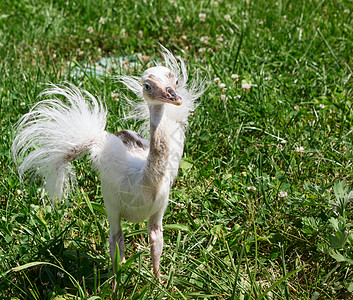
116	238
155	233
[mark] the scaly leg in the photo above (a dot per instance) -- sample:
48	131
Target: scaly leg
155	233
116	237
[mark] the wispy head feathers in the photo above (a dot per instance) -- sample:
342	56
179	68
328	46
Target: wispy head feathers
189	92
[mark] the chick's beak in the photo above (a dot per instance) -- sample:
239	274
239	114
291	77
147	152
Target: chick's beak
171	97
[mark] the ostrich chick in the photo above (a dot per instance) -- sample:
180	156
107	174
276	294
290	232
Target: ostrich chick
136	173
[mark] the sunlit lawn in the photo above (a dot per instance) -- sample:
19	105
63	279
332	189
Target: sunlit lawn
254	211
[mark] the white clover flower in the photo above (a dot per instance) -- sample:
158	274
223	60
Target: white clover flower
19	192
222	85
101	20
282	194
216	79
247	86
223	97
322	105
202	17
114	96
235	76
90	30
251	188
182	205
219	39
204	39
299	149
227	17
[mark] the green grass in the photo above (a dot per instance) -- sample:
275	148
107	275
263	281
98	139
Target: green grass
251	212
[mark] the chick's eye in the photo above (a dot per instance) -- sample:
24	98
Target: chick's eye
147	86
177	82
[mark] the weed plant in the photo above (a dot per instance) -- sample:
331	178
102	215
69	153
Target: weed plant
262	205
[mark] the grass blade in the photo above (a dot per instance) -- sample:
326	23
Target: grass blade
277	283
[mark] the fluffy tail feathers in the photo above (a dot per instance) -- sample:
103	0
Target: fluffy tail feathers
56	132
